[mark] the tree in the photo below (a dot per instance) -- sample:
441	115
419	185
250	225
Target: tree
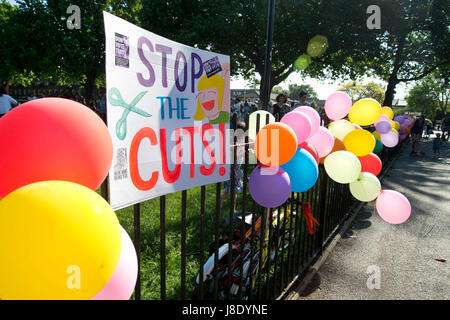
294	91
430	96
358	91
413	42
237	28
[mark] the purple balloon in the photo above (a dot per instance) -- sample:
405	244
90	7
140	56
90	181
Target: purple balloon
390	139
399	119
383	126
270	187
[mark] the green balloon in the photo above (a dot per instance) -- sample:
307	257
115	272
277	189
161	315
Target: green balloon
378	146
342	166
317	46
302	62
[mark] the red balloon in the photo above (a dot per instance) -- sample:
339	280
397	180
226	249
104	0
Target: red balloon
53	139
371	163
310	148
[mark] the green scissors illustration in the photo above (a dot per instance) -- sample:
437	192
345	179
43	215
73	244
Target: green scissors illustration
115	99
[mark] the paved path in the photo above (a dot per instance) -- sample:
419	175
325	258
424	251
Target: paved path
404	254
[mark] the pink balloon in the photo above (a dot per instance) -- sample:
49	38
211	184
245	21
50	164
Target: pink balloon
383	117
393	207
123	280
300	123
338	105
323	141
313	115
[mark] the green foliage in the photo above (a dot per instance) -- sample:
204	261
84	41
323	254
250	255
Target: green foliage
358	90
294	91
430	97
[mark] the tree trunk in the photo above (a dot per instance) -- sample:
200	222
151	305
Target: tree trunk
390	91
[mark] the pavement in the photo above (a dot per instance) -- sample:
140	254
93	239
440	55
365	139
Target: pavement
375	260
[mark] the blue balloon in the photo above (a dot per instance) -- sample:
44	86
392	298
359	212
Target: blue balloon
302	170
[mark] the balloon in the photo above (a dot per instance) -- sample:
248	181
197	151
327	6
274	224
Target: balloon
278	192
396	125
313	115
365	112
323	141
338	105
302	170
262	122
371	163
393	207
399	119
389	139
310	148
383	126
342	166
388	112
317	46
54	236
341	128
357	126
407	131
378	146
300	123
377	135
122	283
276	144
338	146
359	142
53	139
383	117
302	62
394	131
366	188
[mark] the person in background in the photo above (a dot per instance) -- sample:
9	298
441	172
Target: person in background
277	109
416	136
302	97
446	127
437	146
6	102
246	110
101	107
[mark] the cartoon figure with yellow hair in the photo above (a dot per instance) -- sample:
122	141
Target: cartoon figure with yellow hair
213	100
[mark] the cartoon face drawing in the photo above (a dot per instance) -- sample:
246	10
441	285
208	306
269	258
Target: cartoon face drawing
209	101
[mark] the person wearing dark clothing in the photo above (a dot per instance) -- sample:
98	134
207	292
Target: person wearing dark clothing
277	109
437	146
446	128
416	136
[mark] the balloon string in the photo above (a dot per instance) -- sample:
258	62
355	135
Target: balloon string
311	222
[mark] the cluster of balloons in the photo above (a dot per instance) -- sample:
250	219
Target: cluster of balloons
317	46
354	161
58	238
290	151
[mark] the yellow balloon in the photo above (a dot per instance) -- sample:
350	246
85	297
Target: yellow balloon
396	125
394	131
342	166
341	128
388	112
377	135
365	112
359	142
317	46
58	240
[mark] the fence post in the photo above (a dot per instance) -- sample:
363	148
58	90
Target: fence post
322	206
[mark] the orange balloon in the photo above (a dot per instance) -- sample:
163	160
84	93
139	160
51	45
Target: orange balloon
338	146
407	131
276	143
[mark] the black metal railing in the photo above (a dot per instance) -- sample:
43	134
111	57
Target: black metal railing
266	254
